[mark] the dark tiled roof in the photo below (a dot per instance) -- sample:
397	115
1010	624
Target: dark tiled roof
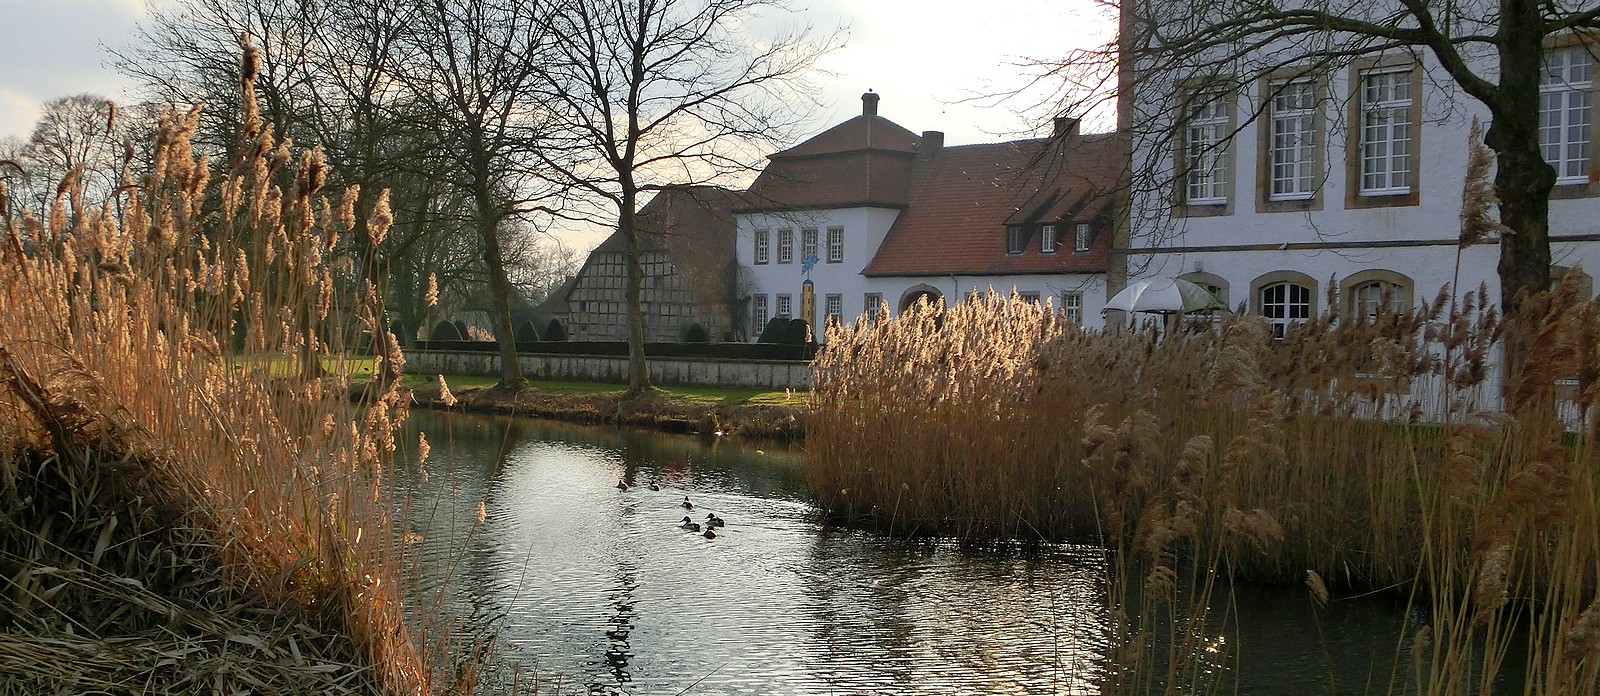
865	161
963	198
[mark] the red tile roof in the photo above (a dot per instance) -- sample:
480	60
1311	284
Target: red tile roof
963	198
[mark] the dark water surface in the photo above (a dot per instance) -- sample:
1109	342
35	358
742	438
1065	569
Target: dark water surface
598	590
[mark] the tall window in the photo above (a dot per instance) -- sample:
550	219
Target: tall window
835	307
785	307
763	245
1386	126
1284	304
835	245
785	246
758	314
1566	106
1293	138
1014	239
871	304
1047	239
1072	306
1205	153
808	244
1080	237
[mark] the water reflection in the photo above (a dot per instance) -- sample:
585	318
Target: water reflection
600	591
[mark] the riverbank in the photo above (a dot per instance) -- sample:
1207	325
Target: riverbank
747	414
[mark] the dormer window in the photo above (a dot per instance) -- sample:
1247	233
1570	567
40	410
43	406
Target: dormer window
1080	238
1047	239
1014	239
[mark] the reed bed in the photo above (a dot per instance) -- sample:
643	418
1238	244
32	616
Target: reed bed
173	521
1350	455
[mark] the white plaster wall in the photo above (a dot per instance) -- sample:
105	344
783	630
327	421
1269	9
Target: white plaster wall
1443	151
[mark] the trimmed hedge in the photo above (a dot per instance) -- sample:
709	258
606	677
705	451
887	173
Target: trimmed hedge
727	351
554	331
446	331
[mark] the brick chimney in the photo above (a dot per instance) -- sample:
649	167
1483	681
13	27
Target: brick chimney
869	104
931	143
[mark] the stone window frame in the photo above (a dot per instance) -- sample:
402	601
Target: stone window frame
833	307
783	305
809	245
1359	68
1073	310
835	234
762	252
1211	282
1265	203
786	245
1226	89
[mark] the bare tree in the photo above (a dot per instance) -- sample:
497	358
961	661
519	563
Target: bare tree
650	94
475	77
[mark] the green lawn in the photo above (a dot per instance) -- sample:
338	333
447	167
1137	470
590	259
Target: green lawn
361	367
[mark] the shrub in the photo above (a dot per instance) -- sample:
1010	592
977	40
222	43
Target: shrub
527	332
555	331
461	329
696	334
774	331
446	331
798	333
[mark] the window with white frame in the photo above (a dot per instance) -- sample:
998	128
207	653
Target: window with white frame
871	305
1386	138
785	246
1566	107
1285	304
1032	297
834	304
808	244
785	307
1205	141
763	251
1072	306
1293	139
1014	239
758	314
1047	239
835	245
1080	238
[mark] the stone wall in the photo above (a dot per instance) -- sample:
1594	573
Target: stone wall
700	372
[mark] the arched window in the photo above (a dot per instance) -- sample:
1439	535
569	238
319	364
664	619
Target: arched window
1369	294
1212	283
1284	298
1285	303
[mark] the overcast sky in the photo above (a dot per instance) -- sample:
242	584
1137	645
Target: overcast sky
922	56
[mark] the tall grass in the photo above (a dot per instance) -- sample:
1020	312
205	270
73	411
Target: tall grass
1351	449
175	522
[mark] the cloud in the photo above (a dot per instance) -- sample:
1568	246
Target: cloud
54	48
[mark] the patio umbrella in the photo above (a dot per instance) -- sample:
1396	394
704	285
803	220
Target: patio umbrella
1163	296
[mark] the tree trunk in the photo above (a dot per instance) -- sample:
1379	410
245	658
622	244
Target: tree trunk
499	289
638	373
1523	181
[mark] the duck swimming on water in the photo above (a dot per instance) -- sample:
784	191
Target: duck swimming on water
622	485
687	505
655	486
689	524
710	533
713	521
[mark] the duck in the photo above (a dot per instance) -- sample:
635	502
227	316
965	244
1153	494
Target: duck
655	486
622	485
713	521
710	533
689	524
687	504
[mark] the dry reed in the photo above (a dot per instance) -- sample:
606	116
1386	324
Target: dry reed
1354	448
177	518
